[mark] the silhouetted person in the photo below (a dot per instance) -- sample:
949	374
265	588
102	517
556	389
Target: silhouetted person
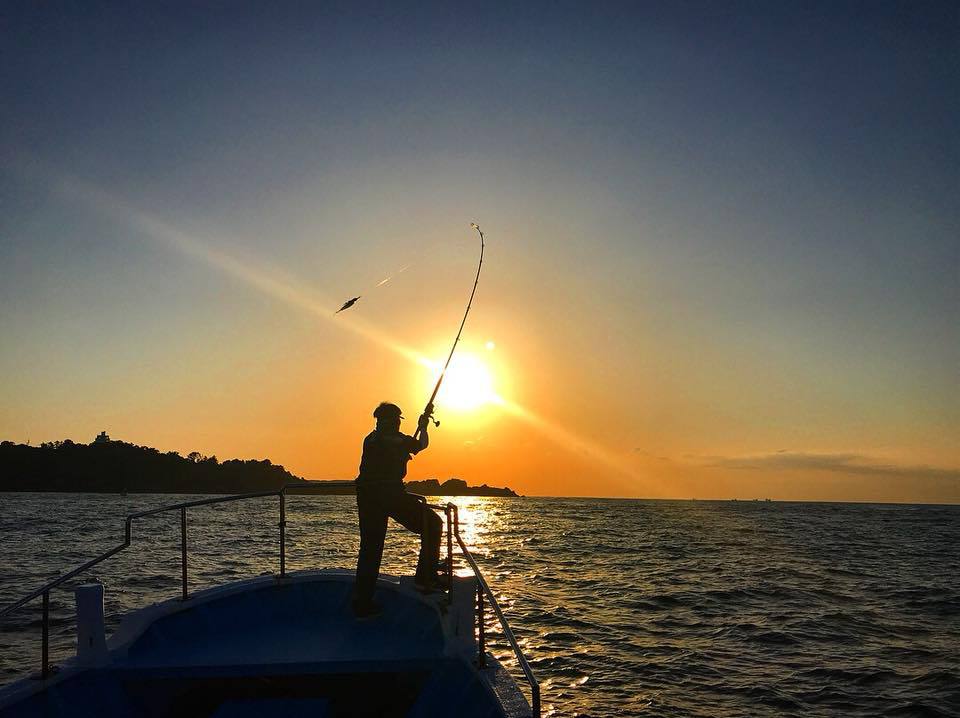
380	493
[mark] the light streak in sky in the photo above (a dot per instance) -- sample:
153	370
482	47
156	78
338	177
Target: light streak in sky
574	443
282	288
305	299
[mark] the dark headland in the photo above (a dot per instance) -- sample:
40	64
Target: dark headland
108	466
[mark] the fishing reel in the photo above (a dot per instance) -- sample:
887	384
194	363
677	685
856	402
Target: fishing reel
428	413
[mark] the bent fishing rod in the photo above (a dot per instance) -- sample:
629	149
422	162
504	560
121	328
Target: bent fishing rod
428	409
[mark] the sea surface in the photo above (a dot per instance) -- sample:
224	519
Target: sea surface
647	608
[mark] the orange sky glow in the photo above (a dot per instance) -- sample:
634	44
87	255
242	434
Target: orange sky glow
538	406
718	264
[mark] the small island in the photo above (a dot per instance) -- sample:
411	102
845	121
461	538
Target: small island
456	487
109	466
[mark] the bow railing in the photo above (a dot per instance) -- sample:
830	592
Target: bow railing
452	513
44	591
484	595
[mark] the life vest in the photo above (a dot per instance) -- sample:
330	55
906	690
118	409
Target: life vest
385	457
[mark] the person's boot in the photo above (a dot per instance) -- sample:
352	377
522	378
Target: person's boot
429	584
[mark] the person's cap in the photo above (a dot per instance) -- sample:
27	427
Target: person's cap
387	410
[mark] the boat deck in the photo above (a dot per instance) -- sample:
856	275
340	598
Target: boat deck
279	644
285	647
290	621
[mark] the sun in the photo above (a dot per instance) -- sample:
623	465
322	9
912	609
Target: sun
467	385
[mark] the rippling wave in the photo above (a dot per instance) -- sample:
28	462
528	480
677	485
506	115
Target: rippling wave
651	608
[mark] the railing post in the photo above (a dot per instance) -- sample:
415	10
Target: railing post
45	648
183	549
283	534
481	630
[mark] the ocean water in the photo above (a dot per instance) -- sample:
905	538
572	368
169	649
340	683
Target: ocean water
647	608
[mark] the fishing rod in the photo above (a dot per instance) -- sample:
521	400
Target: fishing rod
428	409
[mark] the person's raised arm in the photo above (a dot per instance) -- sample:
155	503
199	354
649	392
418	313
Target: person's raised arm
422	423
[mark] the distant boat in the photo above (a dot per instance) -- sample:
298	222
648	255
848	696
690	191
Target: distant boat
282	644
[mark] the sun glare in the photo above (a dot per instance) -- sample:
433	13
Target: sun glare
468	384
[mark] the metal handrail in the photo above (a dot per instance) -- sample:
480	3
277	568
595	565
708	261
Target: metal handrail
453	531
44	590
484	589
446	508
297	488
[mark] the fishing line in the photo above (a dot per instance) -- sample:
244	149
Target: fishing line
418	257
399	271
350	302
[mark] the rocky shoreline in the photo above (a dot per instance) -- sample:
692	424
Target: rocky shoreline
115	467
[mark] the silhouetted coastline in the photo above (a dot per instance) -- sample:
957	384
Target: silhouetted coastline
108	466
456	487
427	487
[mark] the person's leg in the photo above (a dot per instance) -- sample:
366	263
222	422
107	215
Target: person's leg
413	515
373	531
430	545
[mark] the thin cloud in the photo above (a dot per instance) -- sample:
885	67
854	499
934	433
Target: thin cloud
643	452
844	463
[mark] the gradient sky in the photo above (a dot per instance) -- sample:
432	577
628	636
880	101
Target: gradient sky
723	255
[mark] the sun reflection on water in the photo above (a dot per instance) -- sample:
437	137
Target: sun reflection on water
621	607
478	522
